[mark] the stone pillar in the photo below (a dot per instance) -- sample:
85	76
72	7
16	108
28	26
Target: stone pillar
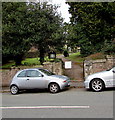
54	67
87	67
110	61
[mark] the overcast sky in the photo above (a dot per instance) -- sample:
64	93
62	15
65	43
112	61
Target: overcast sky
63	9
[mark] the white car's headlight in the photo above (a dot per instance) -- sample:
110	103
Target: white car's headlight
87	78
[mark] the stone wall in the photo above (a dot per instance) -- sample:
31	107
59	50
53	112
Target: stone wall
6	75
54	67
93	66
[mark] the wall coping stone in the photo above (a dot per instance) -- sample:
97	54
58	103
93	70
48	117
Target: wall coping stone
99	61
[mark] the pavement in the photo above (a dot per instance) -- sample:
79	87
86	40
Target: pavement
77	84
73	84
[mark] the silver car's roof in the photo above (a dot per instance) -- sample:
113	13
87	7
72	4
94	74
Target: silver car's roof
33	68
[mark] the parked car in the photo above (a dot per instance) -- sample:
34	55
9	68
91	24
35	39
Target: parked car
98	81
38	79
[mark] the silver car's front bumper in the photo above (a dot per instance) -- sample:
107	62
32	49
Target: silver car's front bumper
86	83
64	85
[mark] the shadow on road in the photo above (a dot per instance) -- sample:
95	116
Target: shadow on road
34	91
107	89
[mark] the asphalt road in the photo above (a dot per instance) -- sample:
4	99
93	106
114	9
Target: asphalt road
71	103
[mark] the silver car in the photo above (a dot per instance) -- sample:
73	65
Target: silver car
98	81
38	79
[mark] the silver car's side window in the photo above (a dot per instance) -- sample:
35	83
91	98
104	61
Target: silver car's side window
22	74
33	73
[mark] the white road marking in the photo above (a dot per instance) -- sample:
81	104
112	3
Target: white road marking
45	107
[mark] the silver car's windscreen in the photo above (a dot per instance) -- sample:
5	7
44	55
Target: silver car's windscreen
46	72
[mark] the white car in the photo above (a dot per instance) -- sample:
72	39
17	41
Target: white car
100	80
38	79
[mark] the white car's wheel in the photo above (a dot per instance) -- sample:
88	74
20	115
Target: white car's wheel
14	90
97	85
54	88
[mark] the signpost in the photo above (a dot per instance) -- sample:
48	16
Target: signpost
68	64
52	56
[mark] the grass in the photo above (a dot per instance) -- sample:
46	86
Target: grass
28	62
73	57
76	57
31	61
9	65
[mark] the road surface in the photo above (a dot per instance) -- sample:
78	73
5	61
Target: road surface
71	103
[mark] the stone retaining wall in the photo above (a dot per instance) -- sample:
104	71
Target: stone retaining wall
6	75
89	67
93	66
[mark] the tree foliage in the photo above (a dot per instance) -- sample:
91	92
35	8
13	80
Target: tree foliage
93	24
15	36
27	24
45	24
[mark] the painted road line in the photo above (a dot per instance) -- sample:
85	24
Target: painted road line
45	107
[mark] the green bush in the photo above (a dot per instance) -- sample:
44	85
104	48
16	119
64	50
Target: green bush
109	48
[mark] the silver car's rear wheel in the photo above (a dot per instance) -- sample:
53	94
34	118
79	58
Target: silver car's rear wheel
97	85
53	88
14	89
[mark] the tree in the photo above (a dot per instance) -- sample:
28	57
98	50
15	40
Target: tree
58	40
27	24
45	24
15	36
70	36
93	24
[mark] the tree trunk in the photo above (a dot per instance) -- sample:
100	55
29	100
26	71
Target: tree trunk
18	60
42	56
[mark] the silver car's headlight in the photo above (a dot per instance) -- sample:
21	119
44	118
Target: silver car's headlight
66	80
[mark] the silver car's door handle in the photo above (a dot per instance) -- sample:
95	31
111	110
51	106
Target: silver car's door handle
27	79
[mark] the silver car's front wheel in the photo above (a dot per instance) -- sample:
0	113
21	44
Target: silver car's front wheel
14	89
97	85
53	88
